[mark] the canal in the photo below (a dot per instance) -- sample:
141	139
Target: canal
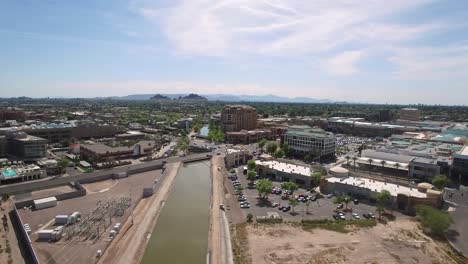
181	233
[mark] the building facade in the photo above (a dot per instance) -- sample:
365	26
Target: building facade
100	152
460	164
26	147
248	137
284	172
3	146
236	157
410	114
304	140
238	117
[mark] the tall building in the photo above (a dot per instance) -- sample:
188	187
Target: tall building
460	164
26	147
304	140
410	114
3	146
238	117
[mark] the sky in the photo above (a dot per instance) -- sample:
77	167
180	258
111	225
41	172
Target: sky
368	51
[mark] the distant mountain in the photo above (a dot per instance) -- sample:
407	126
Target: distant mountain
160	97
192	97
231	98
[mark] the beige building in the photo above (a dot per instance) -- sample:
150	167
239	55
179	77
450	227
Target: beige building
410	114
236	157
238	117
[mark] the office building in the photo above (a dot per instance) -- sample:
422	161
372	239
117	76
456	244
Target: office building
303	140
238	117
26	147
236	157
282	171
410	114
460	164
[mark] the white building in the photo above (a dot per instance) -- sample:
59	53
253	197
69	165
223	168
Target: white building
304	140
236	157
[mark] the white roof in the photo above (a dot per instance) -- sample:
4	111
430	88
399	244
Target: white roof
286	167
45	200
378	186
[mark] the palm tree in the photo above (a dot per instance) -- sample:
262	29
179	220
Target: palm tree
383	162
396	165
347	159
354	160
370	164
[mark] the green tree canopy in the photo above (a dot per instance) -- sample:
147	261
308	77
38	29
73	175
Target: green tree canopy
383	198
441	181
279	153
251	175
293	203
315	178
435	220
264	188
271	147
262	143
251	165
289	186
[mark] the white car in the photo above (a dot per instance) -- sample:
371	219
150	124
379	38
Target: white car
356	216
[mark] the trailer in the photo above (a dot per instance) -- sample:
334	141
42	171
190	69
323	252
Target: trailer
62	219
46	234
45	203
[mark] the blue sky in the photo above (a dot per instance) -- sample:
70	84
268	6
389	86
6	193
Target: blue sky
372	51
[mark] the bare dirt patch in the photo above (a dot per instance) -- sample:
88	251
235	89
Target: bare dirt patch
398	242
99	186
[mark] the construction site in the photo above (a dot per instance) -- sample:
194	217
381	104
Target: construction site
79	229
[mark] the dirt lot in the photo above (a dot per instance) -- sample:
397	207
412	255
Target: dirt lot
397	242
101	186
73	251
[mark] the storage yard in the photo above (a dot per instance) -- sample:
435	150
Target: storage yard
74	230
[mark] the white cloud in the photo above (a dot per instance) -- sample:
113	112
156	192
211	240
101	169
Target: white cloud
343	64
279	28
431	63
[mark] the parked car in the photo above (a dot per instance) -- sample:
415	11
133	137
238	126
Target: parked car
245	205
275	204
336	216
371	215
287	208
356	201
342	216
330	195
339	206
356	216
313	198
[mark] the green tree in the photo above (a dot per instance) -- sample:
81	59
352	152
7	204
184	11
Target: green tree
251	165
383	199
347	159
183	144
279	153
383	162
271	147
62	165
315	179
435	220
239	188
289	186
293	203
264	188
232	171
262	143
251	176
380	209
354	162
286	149
441	181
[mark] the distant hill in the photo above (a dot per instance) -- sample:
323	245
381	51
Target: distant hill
231	98
192	97
160	97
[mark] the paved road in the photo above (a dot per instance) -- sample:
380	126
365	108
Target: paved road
458	233
57	181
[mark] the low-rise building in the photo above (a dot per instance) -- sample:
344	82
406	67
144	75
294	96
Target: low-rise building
282	171
50	165
101	152
26	147
236	157
184	123
460	164
21	173
411	114
3	146
248	137
303	140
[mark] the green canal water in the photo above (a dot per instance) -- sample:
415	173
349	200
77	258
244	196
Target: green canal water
181	234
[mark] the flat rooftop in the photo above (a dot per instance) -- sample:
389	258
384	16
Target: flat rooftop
286	167
464	151
378	186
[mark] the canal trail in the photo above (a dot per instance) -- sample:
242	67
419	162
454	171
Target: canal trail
219	239
129	245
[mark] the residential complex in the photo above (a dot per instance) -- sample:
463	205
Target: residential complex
304	140
238	117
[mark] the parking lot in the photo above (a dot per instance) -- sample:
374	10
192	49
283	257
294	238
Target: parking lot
319	209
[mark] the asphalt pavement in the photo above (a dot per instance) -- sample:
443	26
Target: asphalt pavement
458	232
